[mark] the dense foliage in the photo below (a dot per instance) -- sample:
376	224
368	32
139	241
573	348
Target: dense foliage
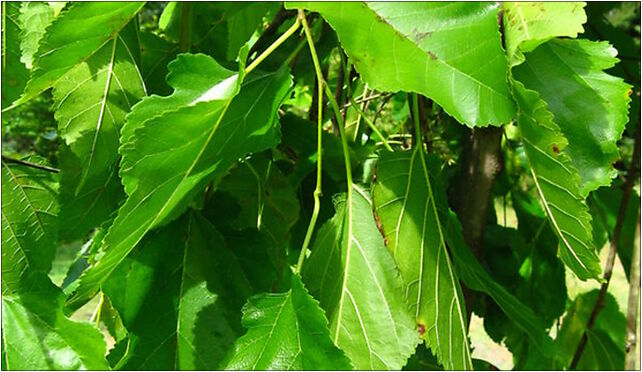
318	185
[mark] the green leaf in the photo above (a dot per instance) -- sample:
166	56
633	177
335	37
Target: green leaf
156	54
14	72
286	331
529	24
218	29
410	223
29	225
35	17
590	106
36	334
193	77
355	278
300	146
449	52
601	353
179	295
242	24
268	202
162	168
557	182
605	204
77	33
90	102
602	350
475	277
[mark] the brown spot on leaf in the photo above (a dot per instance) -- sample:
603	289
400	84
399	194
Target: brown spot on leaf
421	328
422	35
379	227
556	149
433	56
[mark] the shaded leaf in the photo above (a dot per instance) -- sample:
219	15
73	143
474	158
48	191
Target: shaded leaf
607	332
406	208
14	72
475	277
219	29
268	202
286	331
355	278
449	52
29	225
179	295
36	334
605	205
300	145
156	53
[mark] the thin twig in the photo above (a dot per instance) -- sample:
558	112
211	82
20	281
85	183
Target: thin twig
7	159
281	16
631	344
380	109
317	191
365	99
634	171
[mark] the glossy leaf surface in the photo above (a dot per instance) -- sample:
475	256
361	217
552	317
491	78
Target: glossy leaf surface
529	24
590	106
449	52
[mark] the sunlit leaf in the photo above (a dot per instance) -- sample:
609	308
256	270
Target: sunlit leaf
286	331
557	183
357	283
590	106
77	33
407	211
449	52
163	168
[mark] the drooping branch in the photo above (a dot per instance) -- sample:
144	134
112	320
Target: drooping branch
632	175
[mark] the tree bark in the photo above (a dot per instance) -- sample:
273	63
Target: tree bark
482	160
